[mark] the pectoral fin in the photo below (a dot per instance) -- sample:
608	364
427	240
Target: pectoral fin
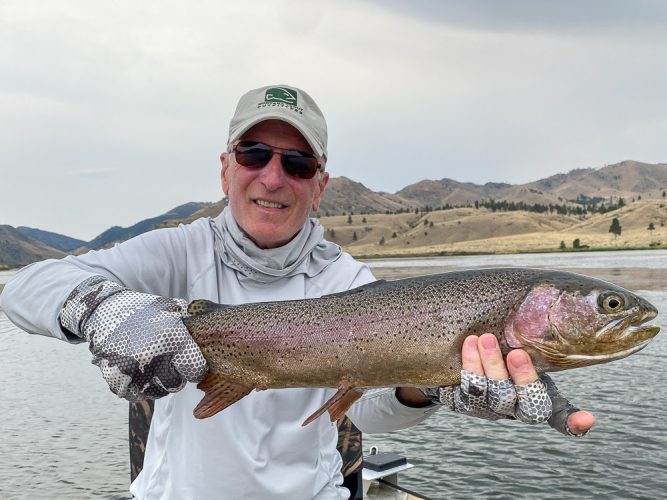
338	404
219	394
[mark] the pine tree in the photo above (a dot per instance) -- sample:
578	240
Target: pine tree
615	227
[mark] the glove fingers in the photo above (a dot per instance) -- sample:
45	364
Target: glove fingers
502	397
471	394
534	405
190	361
117	370
469	398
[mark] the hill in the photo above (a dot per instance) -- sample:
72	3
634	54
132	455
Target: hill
118	234
17	249
470	230
211	210
627	179
576	205
343	195
53	240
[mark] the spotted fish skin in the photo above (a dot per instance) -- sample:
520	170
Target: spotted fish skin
410	332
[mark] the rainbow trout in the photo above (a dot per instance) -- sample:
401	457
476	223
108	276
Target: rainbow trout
409	332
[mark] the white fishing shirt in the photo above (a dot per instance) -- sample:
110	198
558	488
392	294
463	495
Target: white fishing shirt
256	448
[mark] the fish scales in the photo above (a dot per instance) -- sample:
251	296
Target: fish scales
405	332
310	343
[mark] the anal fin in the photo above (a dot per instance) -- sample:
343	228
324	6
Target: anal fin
337	405
219	394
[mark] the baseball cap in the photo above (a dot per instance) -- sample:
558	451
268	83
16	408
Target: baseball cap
285	103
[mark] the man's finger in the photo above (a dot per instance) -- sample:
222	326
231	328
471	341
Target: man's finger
580	422
521	367
470	356
492	358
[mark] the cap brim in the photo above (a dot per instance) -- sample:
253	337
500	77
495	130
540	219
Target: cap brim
247	125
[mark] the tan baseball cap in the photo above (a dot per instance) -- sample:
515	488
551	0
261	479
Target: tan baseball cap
285	103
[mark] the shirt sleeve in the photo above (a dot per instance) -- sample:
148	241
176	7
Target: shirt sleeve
379	410
149	263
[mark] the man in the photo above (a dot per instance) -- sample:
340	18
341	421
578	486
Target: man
128	302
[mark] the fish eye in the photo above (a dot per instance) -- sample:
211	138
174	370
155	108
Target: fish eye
611	302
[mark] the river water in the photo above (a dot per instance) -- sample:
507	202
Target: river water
64	435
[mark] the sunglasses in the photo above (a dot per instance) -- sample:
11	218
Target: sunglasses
252	154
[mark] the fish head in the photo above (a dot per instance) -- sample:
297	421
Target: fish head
569	320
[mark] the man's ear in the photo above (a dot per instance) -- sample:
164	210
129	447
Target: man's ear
319	191
224	160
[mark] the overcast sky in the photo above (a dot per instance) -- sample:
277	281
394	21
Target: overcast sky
113	111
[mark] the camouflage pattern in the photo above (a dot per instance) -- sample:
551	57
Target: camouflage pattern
137	339
141	414
349	446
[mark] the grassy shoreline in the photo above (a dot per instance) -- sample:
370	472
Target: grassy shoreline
394	255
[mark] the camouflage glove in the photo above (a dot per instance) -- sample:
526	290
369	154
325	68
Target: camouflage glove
138	340
533	403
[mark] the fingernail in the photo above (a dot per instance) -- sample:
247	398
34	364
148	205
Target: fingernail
471	341
521	360
489	343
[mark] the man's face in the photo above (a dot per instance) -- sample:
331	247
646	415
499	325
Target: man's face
268	204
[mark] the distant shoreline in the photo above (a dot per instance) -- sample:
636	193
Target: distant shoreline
407	255
513	252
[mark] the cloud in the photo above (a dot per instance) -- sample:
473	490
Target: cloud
138	95
581	16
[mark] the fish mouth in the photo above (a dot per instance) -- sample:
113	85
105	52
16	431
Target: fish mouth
641	336
612	346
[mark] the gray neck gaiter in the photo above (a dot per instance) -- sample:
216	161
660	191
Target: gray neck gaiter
307	253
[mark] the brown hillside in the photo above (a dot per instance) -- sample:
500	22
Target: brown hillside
17	249
470	230
343	195
212	210
628	179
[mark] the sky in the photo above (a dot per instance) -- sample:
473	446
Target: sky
114	111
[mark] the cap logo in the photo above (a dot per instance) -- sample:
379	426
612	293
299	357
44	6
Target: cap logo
283	97
280	94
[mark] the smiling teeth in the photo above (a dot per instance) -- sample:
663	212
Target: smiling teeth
268	204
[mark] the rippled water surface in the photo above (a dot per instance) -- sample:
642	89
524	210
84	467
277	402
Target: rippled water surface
64	435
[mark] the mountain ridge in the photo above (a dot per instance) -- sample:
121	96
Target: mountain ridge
628	179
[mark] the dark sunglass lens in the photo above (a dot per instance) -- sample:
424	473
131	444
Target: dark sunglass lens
299	165
253	154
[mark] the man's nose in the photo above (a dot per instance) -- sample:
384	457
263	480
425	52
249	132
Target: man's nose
273	174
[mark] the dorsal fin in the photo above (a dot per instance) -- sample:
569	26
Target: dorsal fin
201	306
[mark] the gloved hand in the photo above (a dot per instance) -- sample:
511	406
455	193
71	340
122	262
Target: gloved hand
138	340
481	397
496	396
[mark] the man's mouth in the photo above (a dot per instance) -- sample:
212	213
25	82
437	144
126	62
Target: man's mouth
269	204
